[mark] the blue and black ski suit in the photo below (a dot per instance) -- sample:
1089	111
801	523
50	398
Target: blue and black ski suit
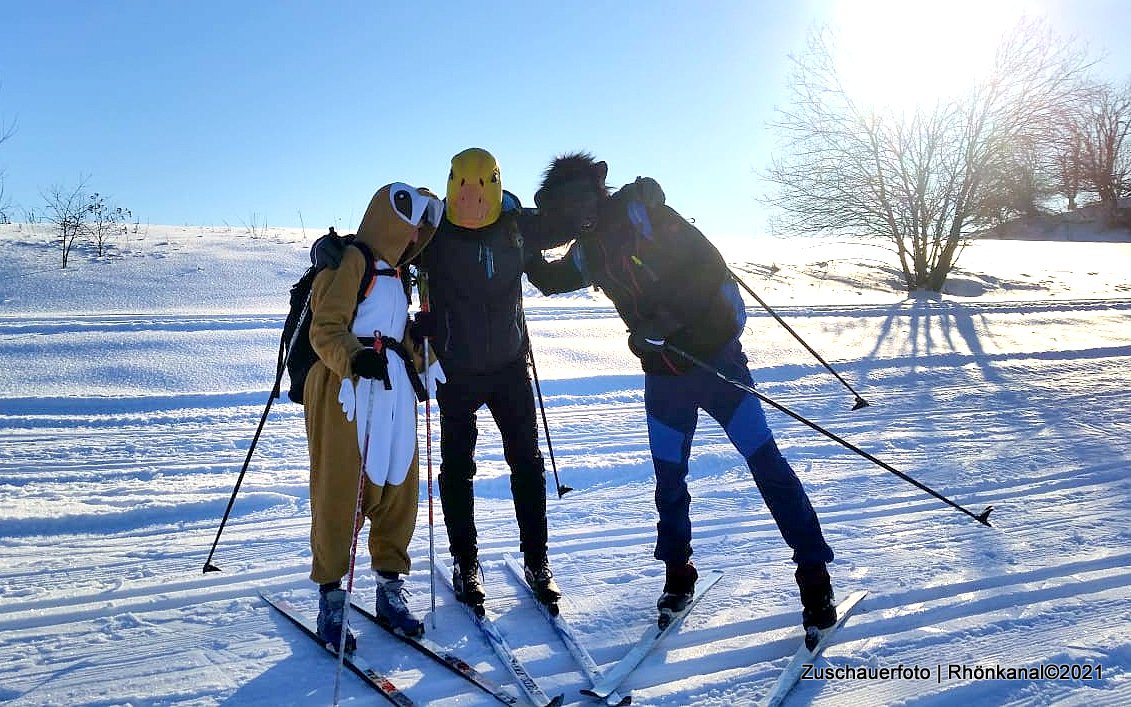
664	276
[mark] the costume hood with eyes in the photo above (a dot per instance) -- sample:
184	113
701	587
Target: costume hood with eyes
337	406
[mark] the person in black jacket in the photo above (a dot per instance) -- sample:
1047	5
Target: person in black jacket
474	267
672	287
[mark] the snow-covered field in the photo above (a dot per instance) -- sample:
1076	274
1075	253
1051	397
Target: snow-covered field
131	385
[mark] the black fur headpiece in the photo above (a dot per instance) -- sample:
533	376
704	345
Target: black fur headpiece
573	166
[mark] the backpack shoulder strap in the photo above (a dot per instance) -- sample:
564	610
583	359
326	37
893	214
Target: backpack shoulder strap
638	216
372	272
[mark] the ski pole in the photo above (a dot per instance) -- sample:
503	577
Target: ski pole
562	490
356	532
282	366
422	286
860	402
982	517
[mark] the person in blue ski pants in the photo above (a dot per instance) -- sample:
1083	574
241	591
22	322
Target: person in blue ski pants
674	291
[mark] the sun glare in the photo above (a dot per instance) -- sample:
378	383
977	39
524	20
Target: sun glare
900	55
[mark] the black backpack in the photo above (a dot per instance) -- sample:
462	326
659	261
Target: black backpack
296	354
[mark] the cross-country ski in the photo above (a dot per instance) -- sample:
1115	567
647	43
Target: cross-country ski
807	653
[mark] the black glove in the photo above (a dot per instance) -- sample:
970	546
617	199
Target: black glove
368	363
650	335
642	343
423	326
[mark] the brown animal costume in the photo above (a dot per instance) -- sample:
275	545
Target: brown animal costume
334	423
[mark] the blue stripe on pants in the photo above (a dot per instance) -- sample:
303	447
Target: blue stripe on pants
672	404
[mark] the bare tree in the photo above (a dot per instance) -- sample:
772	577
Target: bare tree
5	203
6	131
104	220
1022	183
924	179
1066	150
68	211
1106	145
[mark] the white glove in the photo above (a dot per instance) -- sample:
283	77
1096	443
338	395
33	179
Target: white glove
434	375
348	398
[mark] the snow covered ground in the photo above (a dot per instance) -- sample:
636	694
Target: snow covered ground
131	385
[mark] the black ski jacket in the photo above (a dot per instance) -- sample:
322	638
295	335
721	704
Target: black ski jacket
661	273
475	290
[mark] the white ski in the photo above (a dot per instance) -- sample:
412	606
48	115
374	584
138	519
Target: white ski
502	649
804	655
647	642
569	638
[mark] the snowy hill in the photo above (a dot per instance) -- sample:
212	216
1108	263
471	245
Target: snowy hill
130	387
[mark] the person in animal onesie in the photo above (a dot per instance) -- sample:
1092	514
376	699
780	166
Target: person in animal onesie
361	395
670	284
474	267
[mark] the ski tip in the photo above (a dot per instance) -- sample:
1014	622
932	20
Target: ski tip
588	692
626	700
556	702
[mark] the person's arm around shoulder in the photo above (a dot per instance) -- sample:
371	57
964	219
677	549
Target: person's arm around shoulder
564	275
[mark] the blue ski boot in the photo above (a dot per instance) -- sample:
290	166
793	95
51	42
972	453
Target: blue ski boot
331	611
392	608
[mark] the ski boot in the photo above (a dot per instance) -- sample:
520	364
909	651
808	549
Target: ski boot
392	609
541	580
331	611
818	608
467	584
679	588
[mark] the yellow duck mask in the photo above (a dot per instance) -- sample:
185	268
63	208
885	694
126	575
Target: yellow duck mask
475	189
399	222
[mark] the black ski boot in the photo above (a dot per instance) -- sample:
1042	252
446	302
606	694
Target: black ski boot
331	611
541	580
818	610
468	585
679	588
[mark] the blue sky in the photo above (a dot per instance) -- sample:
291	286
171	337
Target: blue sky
234	112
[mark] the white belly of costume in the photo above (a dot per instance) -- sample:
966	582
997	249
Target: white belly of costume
386	419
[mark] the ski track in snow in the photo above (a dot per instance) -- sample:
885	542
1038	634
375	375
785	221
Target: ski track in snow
109	503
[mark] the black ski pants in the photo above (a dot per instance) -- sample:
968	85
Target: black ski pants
508	396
